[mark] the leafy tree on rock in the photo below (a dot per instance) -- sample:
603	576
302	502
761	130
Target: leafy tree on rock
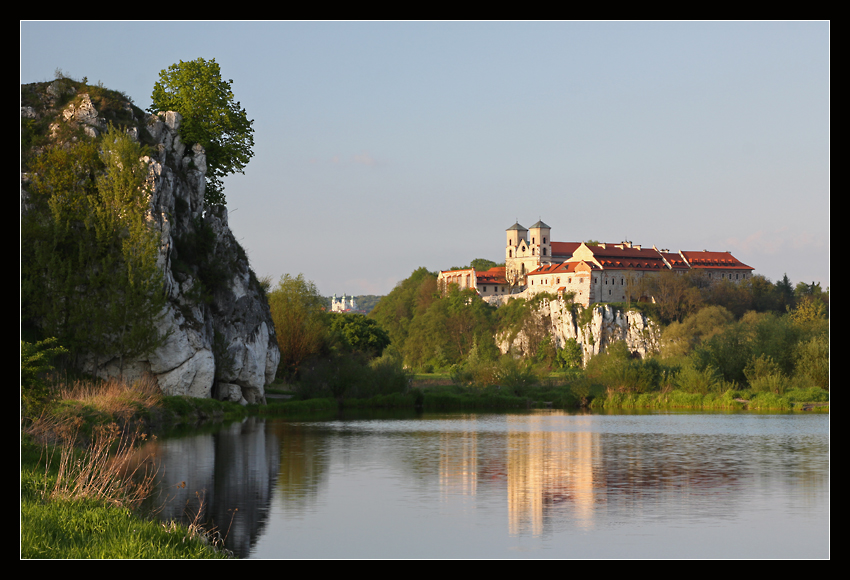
211	118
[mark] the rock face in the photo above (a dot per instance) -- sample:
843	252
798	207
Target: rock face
221	339
593	329
220	336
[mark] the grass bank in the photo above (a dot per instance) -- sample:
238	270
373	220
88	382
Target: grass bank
83	485
803	400
63	516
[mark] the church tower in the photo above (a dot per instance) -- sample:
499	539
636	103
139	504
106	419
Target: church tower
517	246
541	242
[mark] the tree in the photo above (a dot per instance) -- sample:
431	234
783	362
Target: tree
357	333
134	296
482	264
211	118
300	322
58	247
89	275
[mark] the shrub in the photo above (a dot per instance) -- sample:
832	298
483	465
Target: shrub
36	361
693	380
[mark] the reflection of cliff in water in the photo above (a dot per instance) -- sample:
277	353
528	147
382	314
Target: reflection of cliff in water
223	480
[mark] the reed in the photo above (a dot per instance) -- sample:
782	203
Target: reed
111	469
113	397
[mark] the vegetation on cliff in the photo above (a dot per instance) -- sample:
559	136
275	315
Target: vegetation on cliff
211	118
89	275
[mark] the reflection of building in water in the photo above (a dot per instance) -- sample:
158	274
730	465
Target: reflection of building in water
547	470
459	462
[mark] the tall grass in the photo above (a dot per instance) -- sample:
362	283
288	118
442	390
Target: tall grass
114	397
84	478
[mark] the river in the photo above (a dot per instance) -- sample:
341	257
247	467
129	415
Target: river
538	484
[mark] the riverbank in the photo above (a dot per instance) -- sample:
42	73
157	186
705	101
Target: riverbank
84	490
56	523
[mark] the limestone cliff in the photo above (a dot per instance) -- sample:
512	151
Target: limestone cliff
593	329
220	335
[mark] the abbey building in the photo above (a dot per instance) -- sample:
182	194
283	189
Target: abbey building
593	273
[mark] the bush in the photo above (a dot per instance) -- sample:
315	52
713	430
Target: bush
36	362
693	380
351	375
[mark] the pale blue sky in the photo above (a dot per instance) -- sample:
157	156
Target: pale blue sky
381	147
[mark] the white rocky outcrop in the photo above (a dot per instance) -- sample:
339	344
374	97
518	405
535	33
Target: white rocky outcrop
593	330
223	345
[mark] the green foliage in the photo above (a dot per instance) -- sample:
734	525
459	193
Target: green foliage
135	298
699	381
619	371
342	375
36	361
300	322
570	355
433	330
211	118
89	275
813	360
482	264
356	333
676	296
680	338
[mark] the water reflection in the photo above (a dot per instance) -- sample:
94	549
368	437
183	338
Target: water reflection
475	485
223	480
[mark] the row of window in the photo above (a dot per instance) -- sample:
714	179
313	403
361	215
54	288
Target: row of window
622	280
533	250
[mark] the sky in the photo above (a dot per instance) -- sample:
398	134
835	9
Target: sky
383	147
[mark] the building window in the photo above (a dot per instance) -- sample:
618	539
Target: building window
510	253
544	240
544	251
485	289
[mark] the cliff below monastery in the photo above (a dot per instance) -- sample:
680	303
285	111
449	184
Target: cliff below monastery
592	328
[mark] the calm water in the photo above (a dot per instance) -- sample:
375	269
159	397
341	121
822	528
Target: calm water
545	484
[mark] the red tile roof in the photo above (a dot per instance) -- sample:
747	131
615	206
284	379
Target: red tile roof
564	249
614	258
714	260
495	275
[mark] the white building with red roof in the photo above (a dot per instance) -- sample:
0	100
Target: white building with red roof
601	272
488	283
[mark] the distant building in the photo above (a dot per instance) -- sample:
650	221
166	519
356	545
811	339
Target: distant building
342	305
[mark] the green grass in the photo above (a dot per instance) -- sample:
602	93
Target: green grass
85	528
729	400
